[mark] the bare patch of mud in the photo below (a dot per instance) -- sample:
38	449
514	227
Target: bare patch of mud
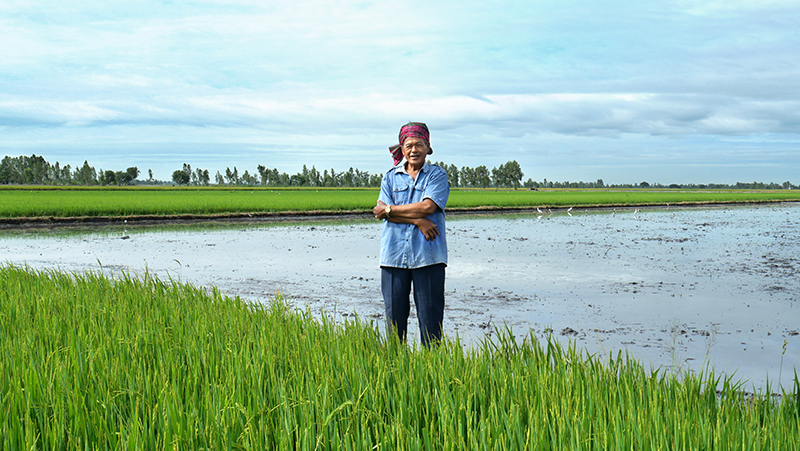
675	288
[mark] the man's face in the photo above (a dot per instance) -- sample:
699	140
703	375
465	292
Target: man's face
415	150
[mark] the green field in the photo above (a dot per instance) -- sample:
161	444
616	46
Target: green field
87	362
92	202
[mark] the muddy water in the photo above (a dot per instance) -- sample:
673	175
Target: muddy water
676	288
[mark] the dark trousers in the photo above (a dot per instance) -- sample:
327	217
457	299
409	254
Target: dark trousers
428	285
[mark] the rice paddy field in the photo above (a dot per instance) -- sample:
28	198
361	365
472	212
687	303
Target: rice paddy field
27	202
135	362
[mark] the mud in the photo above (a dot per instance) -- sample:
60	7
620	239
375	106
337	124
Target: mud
675	288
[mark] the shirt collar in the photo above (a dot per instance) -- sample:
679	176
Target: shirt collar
401	168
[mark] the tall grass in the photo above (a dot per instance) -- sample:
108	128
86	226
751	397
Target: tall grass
139	363
90	202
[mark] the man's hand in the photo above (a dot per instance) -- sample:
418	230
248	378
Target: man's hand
380	210
428	228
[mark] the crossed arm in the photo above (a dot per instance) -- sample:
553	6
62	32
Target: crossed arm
415	213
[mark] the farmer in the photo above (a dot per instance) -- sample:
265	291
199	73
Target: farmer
413	245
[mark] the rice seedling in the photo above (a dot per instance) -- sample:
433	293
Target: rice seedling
91	362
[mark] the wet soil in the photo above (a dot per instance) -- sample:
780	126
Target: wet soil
677	288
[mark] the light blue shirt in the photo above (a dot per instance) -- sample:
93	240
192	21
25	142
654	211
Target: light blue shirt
404	245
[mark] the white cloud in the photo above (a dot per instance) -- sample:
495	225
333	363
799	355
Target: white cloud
525	75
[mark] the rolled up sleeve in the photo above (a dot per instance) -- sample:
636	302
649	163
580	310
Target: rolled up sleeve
437	189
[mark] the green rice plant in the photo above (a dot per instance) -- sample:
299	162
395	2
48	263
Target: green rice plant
209	201
607	197
160	202
91	362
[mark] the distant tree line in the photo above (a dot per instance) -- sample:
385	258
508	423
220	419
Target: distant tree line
507	175
599	184
272	177
35	170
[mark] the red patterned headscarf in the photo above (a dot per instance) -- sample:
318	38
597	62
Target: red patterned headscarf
410	130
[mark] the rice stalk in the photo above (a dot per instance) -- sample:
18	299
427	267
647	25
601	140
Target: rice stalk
140	363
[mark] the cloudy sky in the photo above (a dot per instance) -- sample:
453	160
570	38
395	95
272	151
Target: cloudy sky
661	91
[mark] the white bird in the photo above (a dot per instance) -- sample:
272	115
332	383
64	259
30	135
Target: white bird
538	209
569	209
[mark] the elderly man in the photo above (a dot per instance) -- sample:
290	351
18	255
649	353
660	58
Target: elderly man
413	244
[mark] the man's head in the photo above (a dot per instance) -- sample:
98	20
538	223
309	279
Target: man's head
413	130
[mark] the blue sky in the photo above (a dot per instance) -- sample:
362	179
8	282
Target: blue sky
658	91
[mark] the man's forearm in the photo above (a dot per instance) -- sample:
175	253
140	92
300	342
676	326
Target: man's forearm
426	226
415	210
396	220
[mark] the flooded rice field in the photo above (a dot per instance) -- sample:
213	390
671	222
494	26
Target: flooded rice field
675	288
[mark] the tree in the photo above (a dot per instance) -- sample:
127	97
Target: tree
181	177
467	176
347	178
482	176
58	175
500	177
198	176
86	175
232	177
36	169
125	178
264	173
107	177
452	174
314	177
513	173
330	180
248	179
497	177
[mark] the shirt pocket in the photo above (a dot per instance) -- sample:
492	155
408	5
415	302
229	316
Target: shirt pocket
402	194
